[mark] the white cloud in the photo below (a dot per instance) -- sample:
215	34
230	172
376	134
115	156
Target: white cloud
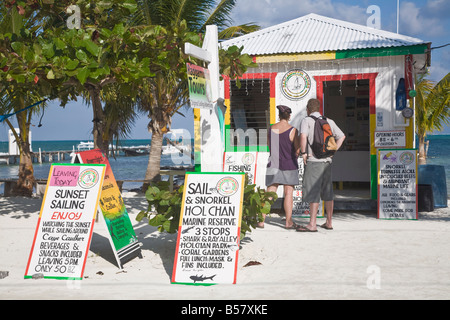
267	13
413	22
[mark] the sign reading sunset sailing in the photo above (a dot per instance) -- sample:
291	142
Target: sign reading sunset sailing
210	226
66	221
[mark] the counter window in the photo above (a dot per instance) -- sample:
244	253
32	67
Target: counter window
249	112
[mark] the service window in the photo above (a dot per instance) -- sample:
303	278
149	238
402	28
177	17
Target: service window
249	113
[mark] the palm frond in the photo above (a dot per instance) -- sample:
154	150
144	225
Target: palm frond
237	31
221	14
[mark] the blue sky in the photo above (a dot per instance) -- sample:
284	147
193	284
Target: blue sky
427	20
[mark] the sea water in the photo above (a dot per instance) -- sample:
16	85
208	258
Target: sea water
124	168
133	168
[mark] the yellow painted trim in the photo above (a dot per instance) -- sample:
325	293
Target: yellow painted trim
228	112
331	55
272	111
373	125
409	134
197	130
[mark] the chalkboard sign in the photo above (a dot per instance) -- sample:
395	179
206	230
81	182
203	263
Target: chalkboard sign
209	232
66	221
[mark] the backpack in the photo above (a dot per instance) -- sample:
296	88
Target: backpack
324	144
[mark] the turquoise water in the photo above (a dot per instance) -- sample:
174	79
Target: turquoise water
124	168
439	154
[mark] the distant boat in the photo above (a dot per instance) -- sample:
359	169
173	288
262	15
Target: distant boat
135	152
83	146
174	145
176	149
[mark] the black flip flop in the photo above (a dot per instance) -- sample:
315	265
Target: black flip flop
325	227
304	229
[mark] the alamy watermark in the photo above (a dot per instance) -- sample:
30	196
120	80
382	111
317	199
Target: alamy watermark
374	21
374	278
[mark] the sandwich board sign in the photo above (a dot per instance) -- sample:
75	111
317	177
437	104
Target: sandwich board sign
66	220
397	184
210	227
122	237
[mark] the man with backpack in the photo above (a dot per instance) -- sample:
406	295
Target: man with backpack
320	138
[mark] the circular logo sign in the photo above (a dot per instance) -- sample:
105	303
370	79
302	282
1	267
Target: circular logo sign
227	186
295	84
407	158
248	158
88	178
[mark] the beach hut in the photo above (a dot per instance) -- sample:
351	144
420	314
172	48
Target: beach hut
364	78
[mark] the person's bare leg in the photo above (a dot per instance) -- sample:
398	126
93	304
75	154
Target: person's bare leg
329	206
313	207
288	204
272	188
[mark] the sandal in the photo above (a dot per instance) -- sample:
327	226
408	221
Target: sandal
325	227
305	229
294	226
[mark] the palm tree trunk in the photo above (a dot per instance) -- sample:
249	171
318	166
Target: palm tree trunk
25	183
422	153
154	159
24	186
99	120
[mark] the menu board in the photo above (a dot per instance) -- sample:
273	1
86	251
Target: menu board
209	231
122	236
397	184
66	221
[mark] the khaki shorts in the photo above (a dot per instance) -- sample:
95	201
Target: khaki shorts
317	182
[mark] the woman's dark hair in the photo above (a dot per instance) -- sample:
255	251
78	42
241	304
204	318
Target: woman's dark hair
284	112
284	115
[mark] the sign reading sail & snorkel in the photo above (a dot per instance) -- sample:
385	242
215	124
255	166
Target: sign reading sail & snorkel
66	221
210	226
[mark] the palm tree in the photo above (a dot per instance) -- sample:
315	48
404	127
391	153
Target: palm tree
168	90
432	109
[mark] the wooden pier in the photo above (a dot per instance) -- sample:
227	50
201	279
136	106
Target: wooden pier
56	156
38	157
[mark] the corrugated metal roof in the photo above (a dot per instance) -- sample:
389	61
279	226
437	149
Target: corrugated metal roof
315	33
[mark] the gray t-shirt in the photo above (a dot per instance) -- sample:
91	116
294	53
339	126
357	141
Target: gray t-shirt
307	127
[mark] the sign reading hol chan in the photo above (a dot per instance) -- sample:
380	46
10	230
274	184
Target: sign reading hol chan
209	232
66	221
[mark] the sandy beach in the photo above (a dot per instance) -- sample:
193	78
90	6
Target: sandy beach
362	258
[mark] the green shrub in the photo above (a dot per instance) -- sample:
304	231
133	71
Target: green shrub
164	206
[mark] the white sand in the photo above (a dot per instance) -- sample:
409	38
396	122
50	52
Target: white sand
412	258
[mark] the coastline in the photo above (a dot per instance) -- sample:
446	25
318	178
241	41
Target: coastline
410	259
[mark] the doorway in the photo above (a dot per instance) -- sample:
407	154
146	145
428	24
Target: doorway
347	102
